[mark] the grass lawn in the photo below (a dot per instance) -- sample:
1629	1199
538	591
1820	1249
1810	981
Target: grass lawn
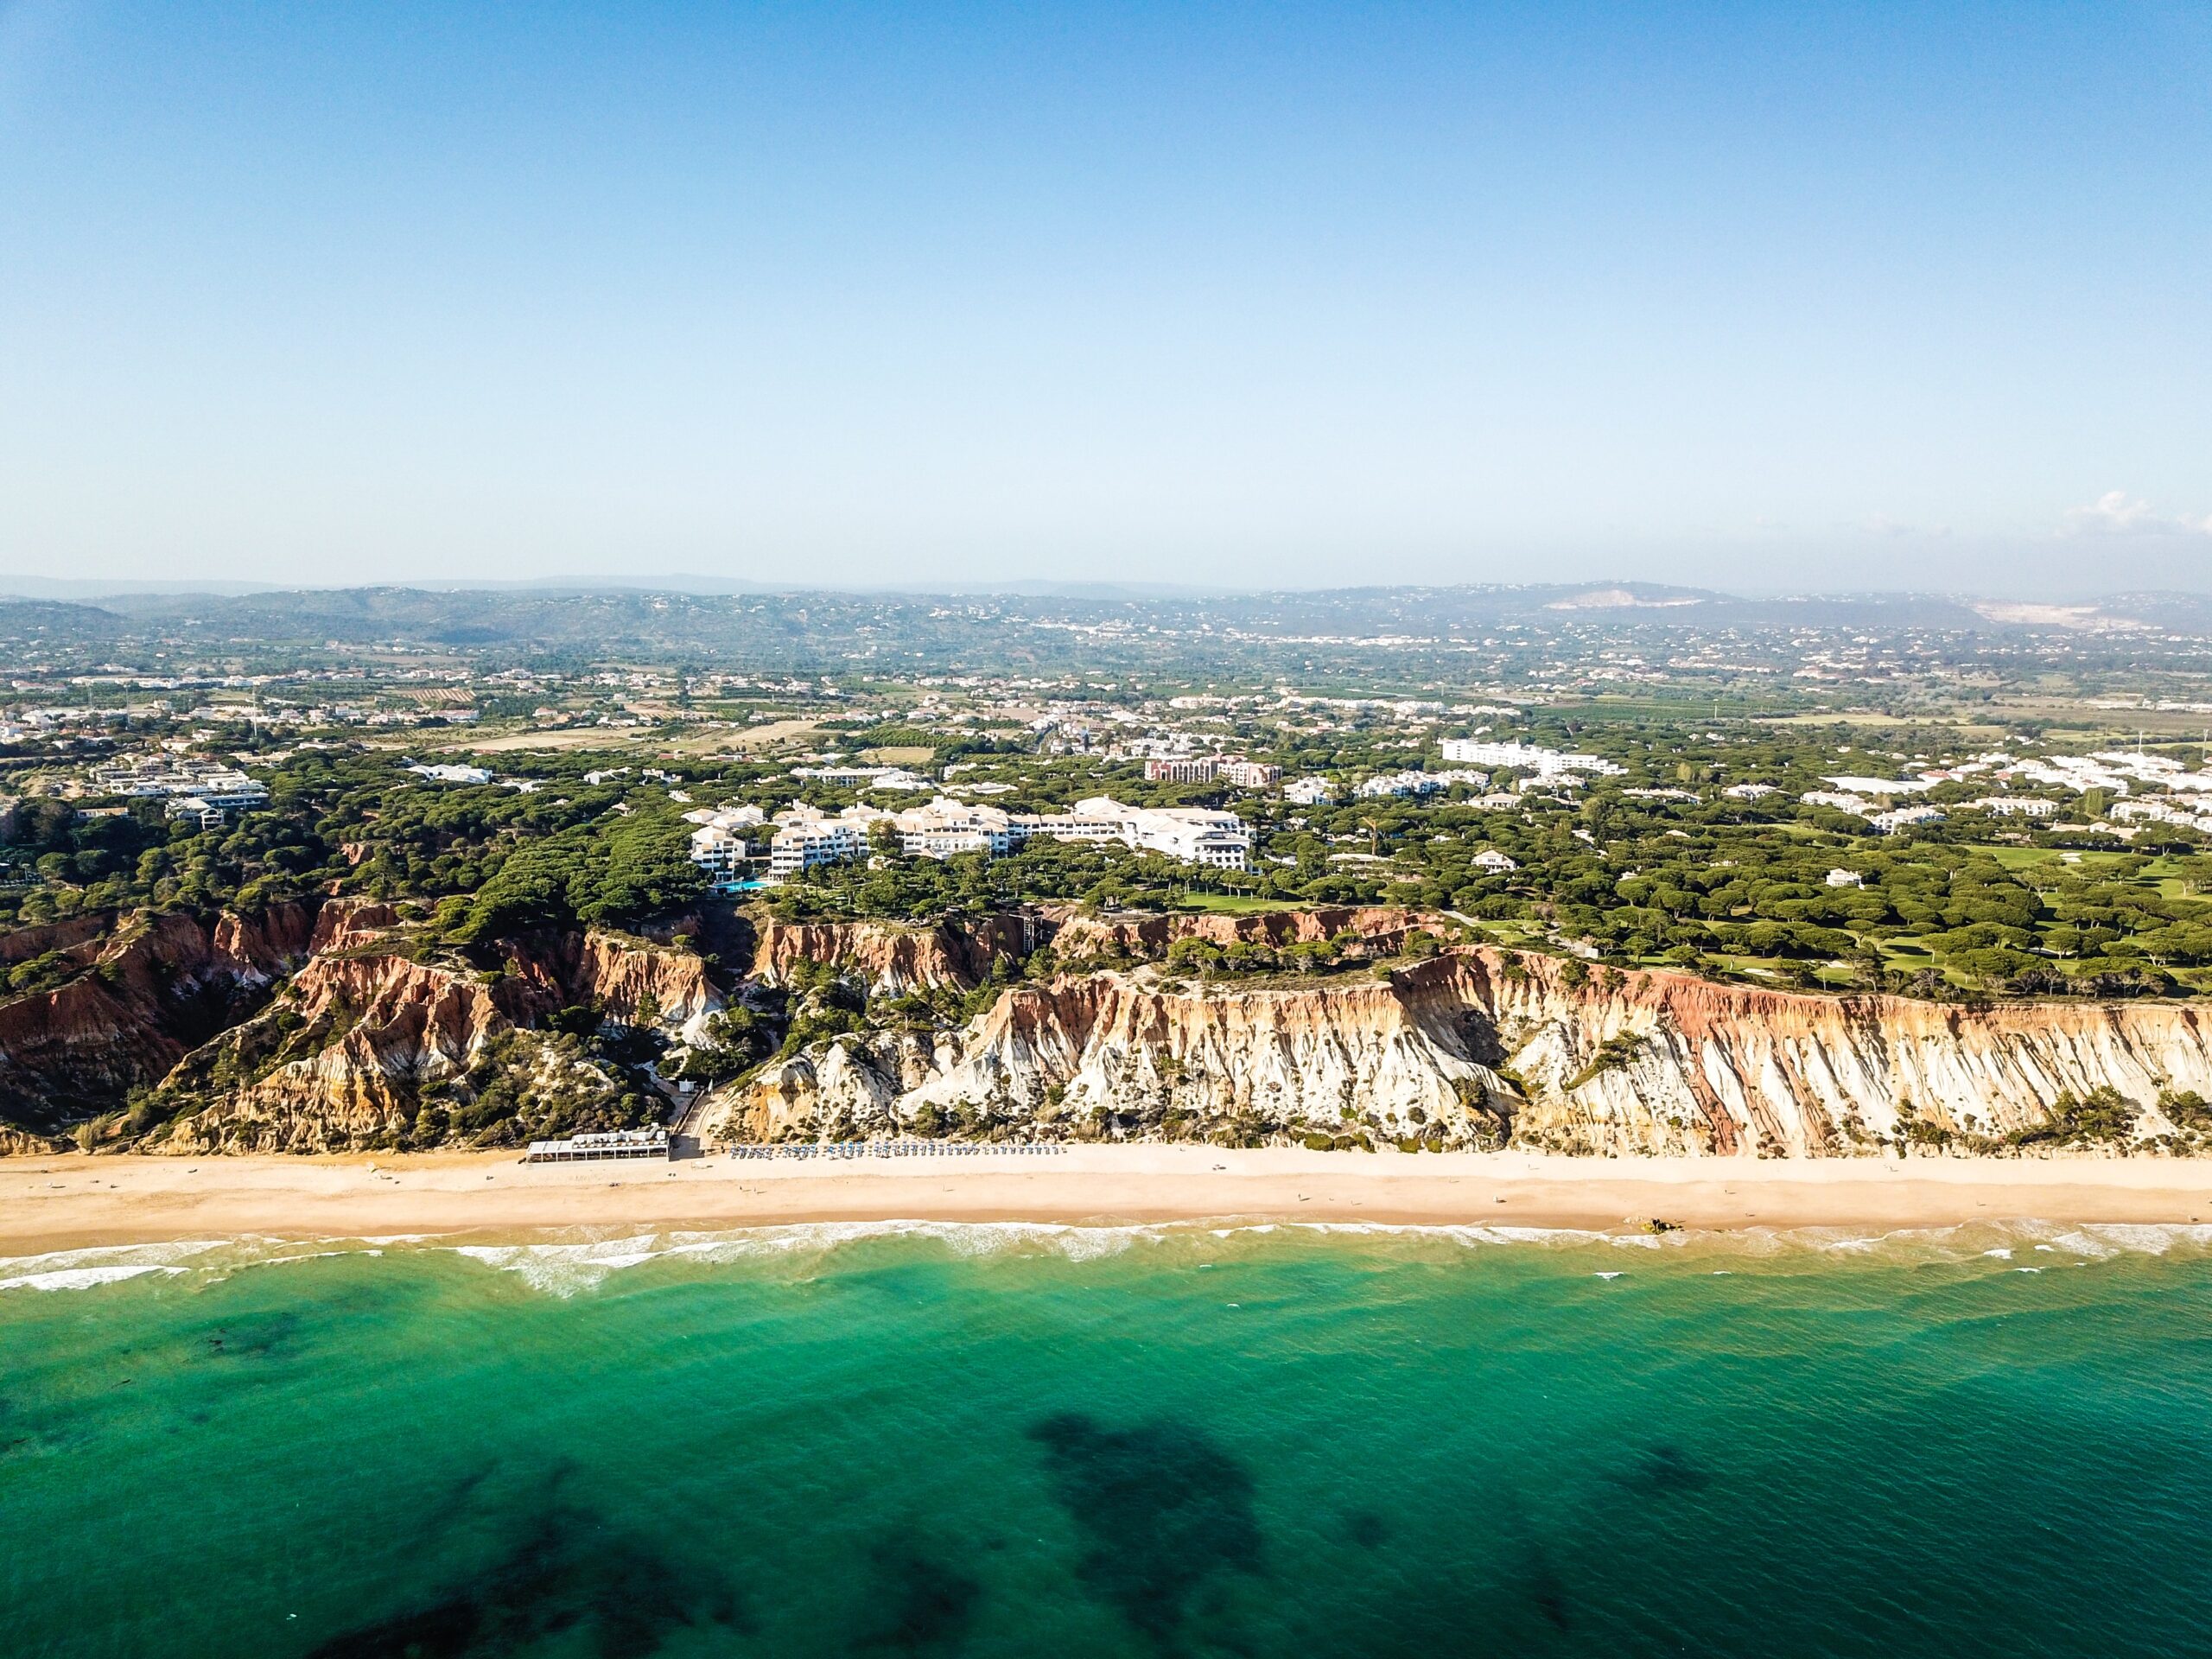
2050	858
1230	904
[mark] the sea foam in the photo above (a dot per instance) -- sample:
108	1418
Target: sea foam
567	1261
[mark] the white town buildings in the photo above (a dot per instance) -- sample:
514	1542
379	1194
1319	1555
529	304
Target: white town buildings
1527	757
730	841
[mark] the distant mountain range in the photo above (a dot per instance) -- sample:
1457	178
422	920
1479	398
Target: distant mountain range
65	588
1043	627
1623	602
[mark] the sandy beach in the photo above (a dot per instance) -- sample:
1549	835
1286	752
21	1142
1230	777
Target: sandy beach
69	1202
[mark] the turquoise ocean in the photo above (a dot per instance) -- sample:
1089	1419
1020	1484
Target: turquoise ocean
1177	1441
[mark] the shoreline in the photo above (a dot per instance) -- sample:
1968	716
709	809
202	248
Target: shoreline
73	1201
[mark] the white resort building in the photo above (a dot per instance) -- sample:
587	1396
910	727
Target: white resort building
730	840
1527	757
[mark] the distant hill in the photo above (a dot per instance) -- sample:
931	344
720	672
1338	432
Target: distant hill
1091	628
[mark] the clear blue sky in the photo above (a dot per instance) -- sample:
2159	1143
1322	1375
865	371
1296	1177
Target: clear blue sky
1776	297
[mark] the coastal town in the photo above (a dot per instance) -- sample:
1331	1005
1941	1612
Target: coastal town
603	855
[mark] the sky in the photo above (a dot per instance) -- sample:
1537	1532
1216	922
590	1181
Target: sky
1773	298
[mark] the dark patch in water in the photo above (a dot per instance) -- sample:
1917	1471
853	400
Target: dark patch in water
460	1497
928	1605
1664	1470
1162	1508
1367	1529
1545	1587
440	1632
255	1335
569	1573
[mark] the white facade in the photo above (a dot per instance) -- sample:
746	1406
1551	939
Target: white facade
443	774
1419	783
799	847
1528	756
1904	817
1233	770
1857	805
1191	834
802	838
231	791
1310	791
862	777
191	809
225	788
945	827
723	854
1886	785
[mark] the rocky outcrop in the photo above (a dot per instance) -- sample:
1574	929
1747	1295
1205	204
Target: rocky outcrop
381	1036
1387	1055
637	981
851	1087
1105	1054
892	960
157	988
352	924
1668	1062
896	961
78	935
365	1037
343	1059
1459	1048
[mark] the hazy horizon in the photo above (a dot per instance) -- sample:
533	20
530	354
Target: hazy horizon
1811	301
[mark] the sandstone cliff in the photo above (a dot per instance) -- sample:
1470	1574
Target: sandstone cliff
1107	1054
1460	1049
342	1061
368	1046
155	987
337	1025
892	960
640	982
78	937
1666	1062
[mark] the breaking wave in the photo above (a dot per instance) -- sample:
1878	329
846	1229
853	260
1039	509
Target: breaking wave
570	1261
106	1264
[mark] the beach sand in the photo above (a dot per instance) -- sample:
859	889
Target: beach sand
73	1201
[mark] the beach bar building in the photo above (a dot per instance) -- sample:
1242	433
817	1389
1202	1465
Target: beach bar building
606	1143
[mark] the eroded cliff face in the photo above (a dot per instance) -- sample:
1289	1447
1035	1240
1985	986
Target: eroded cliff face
368	1046
377	1037
341	1061
157	986
641	983
1665	1061
890	960
78	937
1459	1048
1107	1054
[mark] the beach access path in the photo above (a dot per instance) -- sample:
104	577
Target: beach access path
73	1200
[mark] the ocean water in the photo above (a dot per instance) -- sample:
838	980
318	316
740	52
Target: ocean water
988	1441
